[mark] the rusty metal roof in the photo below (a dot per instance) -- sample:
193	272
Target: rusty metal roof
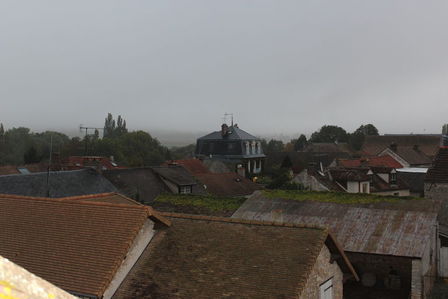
394	232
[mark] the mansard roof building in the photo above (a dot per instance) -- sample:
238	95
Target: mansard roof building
234	146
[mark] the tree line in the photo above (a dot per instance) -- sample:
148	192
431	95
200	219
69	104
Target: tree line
20	146
326	134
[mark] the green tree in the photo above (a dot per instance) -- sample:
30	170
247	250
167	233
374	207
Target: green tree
300	143
114	129
367	130
31	156
109	126
272	146
356	139
329	134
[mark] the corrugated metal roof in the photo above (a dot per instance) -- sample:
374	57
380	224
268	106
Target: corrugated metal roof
394	232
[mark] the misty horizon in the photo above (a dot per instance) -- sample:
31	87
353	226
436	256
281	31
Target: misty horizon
281	67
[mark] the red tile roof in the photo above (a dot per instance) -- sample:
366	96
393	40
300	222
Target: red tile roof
76	245
227	184
383	161
194	166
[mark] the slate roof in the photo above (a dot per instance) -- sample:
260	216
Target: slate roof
194	166
375	161
227	184
212	257
396	232
175	174
438	172
61	183
428	144
410	154
76	245
302	160
236	134
141	184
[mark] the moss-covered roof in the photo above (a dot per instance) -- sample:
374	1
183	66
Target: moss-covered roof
198	204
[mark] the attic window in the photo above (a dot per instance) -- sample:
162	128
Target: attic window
185	189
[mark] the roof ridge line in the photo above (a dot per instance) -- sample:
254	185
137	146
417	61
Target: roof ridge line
242	221
75	200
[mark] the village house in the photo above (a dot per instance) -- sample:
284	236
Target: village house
218	184
392	246
144	184
426	144
213	257
407	156
375	180
237	148
83	247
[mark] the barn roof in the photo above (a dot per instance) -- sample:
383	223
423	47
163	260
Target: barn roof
396	232
213	257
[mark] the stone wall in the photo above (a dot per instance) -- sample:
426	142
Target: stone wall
322	271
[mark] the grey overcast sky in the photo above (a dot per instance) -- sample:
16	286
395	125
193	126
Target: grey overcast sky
280	66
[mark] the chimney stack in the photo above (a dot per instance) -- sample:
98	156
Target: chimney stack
444	142
393	146
224	130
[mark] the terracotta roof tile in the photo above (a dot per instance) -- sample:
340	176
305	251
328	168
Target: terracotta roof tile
74	244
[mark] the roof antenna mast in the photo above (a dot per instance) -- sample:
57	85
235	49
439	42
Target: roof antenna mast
228	114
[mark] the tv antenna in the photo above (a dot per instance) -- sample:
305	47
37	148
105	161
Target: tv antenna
225	117
82	128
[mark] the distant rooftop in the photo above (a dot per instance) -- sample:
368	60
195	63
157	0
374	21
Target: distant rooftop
235	133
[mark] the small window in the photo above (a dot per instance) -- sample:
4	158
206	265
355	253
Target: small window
393	178
185	189
326	289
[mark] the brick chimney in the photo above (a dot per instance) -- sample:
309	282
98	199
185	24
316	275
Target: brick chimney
224	130
393	146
